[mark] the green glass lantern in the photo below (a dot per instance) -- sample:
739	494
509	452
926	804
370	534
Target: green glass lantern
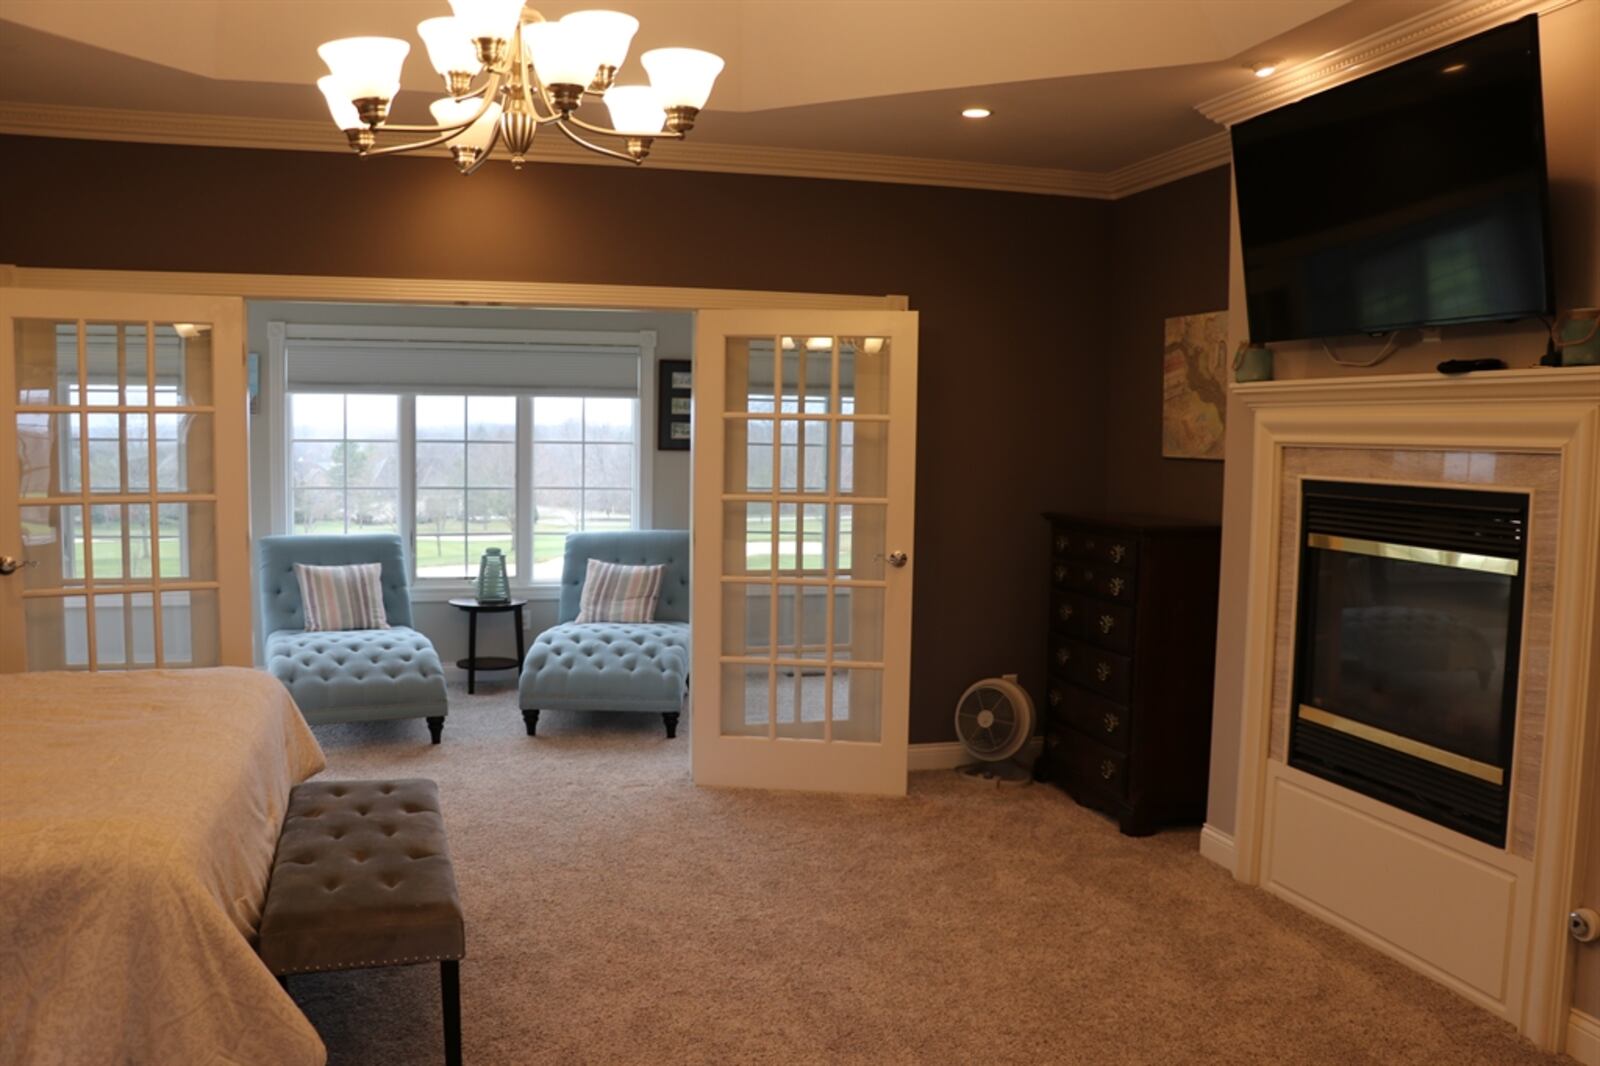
493	587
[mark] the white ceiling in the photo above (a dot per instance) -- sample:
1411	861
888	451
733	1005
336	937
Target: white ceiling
1086	85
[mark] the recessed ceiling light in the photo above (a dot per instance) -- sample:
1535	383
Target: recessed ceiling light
1455	68
976	112
1264	70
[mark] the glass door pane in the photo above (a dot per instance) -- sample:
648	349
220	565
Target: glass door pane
114	505
798	597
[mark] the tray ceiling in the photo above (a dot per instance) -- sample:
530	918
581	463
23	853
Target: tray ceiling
1089	85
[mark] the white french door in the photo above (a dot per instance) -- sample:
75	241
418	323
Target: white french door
124	539
804	431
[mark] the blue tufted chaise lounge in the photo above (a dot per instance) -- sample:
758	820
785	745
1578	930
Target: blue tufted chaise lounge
357	675
614	666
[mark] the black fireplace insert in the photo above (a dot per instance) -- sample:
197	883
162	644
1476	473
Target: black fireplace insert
1410	619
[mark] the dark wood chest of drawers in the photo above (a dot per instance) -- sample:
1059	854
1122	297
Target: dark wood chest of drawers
1133	625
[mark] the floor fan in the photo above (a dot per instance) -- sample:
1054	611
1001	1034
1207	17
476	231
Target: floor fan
994	719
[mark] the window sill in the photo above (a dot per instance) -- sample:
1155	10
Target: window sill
436	591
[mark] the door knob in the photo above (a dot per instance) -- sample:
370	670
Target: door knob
10	565
898	558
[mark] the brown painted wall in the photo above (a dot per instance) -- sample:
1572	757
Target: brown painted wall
1169	256
1011	289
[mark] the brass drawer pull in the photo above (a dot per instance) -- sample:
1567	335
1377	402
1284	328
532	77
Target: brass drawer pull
1106	622
1116	586
1055	697
1063	656
1060	573
1062	543
1108	769
1065	611
1117	553
1102	670
1111	722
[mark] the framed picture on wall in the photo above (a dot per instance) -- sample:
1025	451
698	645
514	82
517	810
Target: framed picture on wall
674	390
1194	386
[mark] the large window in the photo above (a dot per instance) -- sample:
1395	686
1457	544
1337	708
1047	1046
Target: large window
344	463
466	482
582	472
457	474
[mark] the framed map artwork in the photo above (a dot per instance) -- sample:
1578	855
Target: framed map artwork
1194	386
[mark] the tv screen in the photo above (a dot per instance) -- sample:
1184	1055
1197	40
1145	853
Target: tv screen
1415	196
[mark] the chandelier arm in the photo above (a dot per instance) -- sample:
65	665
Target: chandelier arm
412	146
533	91
490	90
540	107
667	135
484	155
575	139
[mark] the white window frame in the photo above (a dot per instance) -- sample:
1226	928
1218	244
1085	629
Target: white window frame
275	390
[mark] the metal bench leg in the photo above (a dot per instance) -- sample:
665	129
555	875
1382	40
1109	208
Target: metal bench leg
531	720
436	727
670	718
450	994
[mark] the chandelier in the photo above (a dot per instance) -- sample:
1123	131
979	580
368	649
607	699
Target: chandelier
510	72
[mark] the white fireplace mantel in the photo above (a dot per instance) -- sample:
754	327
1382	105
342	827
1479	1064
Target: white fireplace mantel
1289	822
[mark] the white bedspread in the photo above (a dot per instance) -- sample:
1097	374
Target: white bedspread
138	816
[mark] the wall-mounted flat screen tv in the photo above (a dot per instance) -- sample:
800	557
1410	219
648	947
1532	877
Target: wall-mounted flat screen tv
1415	196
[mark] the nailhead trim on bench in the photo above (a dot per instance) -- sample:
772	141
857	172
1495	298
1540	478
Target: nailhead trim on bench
374	963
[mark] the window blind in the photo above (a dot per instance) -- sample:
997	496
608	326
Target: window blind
397	365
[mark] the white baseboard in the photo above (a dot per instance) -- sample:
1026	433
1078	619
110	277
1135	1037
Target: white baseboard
1218	847
1583	1038
950	754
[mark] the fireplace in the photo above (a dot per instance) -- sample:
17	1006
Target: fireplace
1409	631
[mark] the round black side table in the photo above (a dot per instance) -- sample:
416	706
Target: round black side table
473	662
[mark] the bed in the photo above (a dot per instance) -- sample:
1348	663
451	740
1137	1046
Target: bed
138	817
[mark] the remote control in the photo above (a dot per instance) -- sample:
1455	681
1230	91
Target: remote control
1467	366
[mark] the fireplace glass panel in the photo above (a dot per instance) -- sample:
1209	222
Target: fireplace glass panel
1412	648
1406	659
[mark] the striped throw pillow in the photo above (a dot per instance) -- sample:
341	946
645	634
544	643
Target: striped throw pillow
613	592
342	597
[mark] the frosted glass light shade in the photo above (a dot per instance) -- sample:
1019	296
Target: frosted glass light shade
602	34
448	111
449	47
494	19
635	109
339	105
560	54
367	67
682	77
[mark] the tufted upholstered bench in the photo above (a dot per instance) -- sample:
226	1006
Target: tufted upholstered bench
361	879
614	666
356	675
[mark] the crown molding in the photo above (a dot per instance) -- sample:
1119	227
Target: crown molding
1204	154
233	131
276	134
1414	36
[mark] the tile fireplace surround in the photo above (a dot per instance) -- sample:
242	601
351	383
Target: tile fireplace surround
1487	921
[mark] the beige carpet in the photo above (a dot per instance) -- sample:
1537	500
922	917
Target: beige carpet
617	914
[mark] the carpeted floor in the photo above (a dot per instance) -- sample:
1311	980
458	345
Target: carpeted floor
617	914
